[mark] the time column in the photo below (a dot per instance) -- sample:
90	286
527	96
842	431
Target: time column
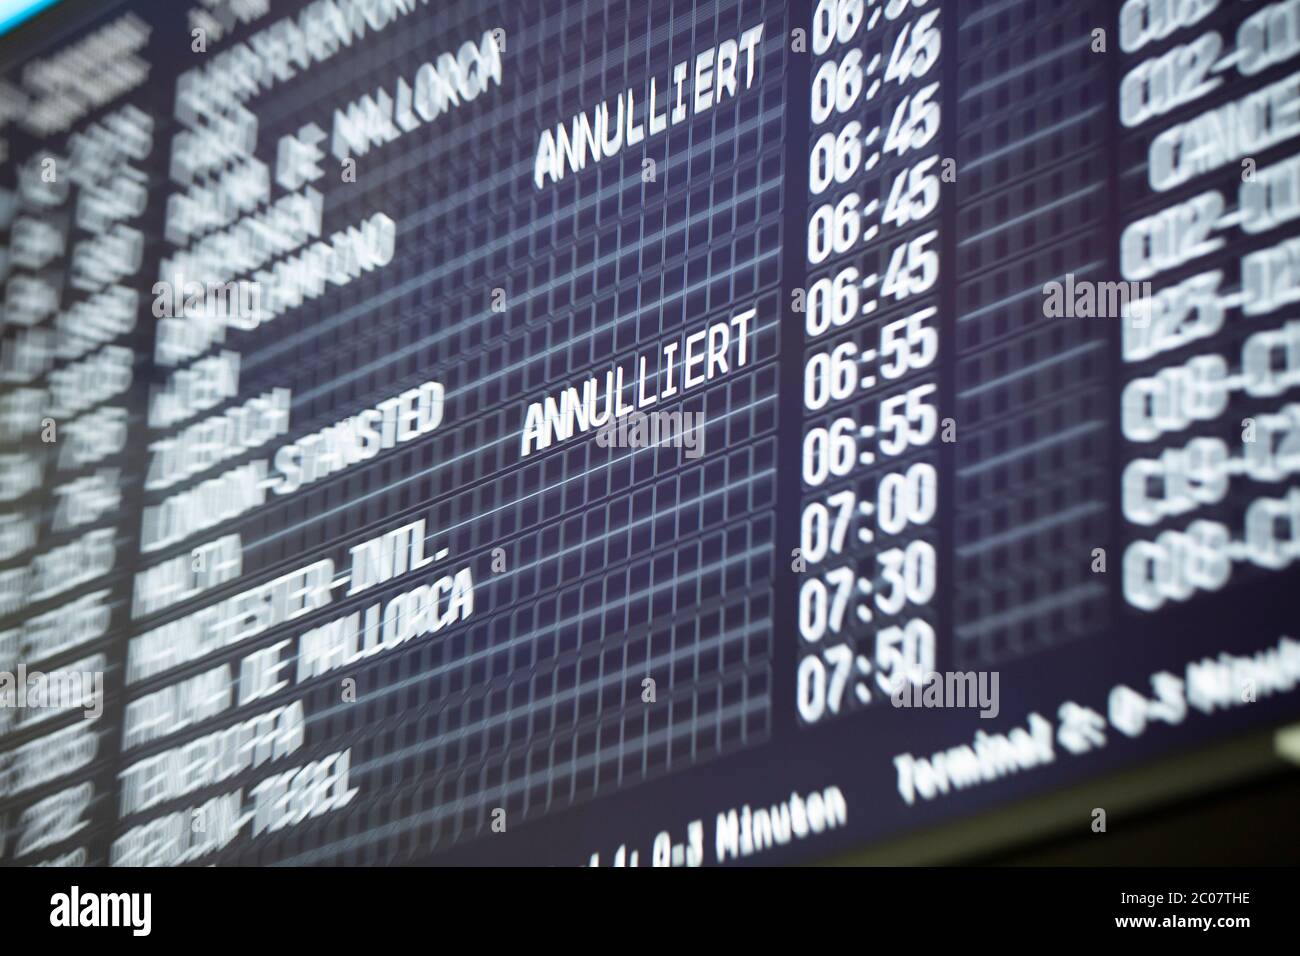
869	483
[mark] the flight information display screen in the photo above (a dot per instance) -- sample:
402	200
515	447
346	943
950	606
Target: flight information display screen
634	432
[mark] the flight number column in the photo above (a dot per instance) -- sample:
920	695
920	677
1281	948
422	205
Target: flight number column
1210	102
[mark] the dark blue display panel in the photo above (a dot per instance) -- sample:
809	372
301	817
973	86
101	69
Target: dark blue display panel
637	432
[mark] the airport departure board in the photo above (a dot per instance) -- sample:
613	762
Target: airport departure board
634	432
